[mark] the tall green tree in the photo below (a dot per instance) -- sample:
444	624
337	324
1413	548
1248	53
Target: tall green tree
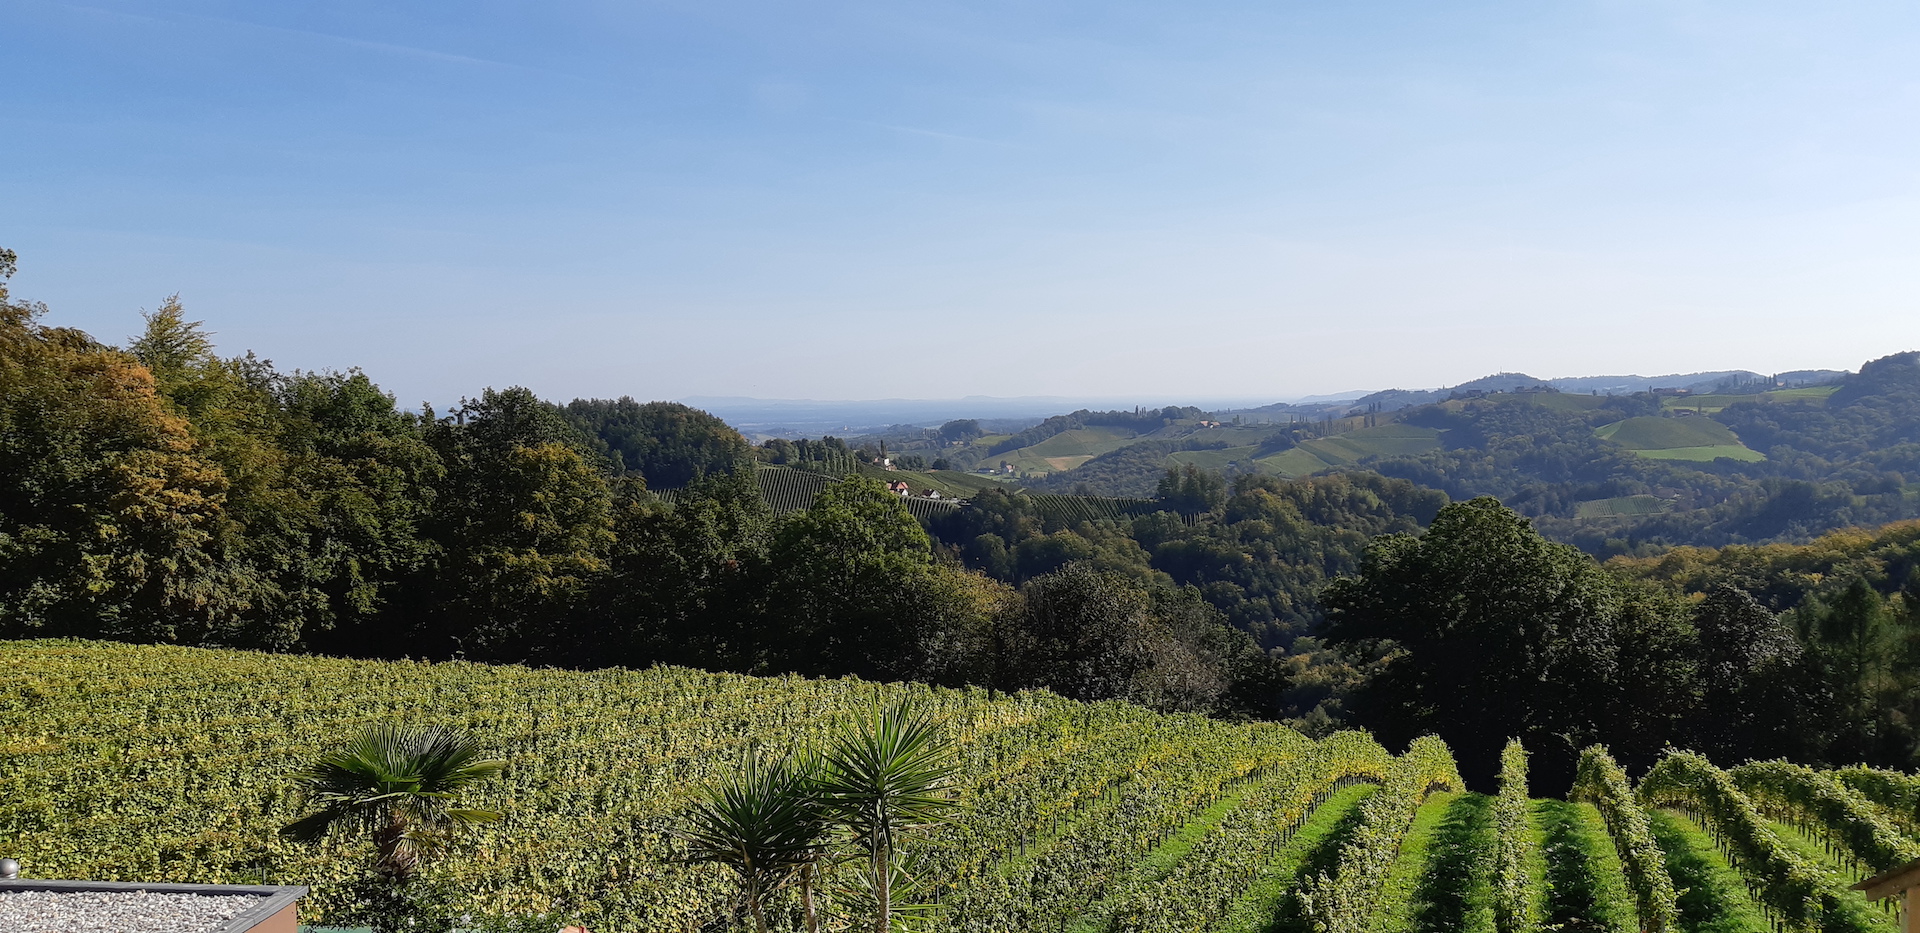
362	484
668	443
688	583
523	527
849	574
1753	684
1494	631
112	519
1191	489
1861	655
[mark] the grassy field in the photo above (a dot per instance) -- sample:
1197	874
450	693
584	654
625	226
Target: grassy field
1558	401
1350	444
1065	450
1658	433
1712	897
1696	438
1213	459
1565	401
1585	887
1622	505
1709	404
1297	461
1706	454
1238	435
1341	450
1426	857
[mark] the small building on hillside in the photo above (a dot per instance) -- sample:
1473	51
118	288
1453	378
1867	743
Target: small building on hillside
899	487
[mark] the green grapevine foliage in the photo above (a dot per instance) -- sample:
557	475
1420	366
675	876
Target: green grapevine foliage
1201	889
1512	907
156	763
1895	793
1343	901
1600	781
1826	808
1798	893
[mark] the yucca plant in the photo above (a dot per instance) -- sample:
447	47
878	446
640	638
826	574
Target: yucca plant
768	824
884	783
397	785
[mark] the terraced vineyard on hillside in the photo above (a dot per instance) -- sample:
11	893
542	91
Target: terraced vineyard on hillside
150	763
1694	438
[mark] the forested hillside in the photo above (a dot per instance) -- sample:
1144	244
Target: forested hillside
160	492
1745	462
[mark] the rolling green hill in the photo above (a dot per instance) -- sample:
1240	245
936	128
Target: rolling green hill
1342	450
1322	453
951	483
142	763
1065	450
1693	438
1657	433
1709	404
1217	459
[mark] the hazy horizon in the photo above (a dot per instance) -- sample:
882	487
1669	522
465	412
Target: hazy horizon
859	200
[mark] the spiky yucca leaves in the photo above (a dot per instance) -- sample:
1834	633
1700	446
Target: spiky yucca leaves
398	785
768	824
885	782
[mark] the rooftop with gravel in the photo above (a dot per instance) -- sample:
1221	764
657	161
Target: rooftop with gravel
50	906
119	911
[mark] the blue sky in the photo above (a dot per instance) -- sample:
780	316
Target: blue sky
924	200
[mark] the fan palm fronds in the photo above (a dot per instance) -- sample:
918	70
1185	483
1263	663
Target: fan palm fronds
397	785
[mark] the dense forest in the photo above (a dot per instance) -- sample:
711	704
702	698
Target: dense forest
159	492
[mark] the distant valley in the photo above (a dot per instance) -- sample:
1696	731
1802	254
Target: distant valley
1616	464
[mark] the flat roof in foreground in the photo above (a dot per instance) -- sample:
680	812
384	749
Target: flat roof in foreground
118	907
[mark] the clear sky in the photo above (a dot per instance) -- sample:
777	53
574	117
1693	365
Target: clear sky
926	200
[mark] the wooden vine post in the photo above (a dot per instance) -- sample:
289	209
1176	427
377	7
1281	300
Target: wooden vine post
1899	882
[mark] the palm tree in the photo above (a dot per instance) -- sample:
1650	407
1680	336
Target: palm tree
767	824
396	784
884	783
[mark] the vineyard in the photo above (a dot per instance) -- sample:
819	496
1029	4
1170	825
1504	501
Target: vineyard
154	763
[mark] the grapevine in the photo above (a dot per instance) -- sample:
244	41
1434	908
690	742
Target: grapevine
1512	906
1895	793
1342	901
1600	781
1827	808
1797	892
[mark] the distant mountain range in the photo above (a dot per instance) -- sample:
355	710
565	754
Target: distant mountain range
762	418
1396	399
